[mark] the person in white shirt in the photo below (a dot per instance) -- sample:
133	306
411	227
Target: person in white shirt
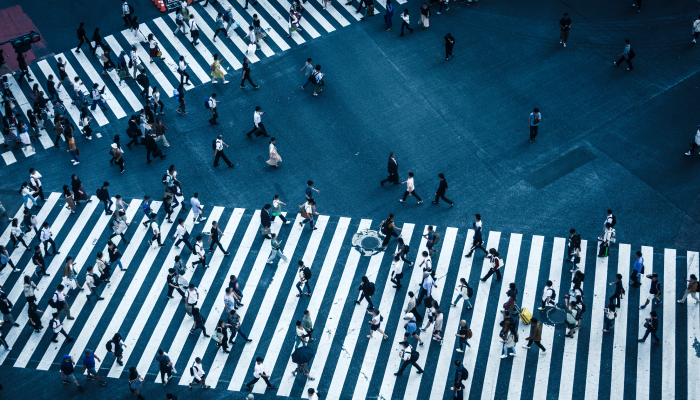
463	289
16	234
46	240
182	70
197	209
696	29
118	228
410	189
426	287
57	327
437	329
198	374
181	235
252	37
153	49
302	336
375	323
180	24
277	210
219	152
156	231
397	271
547	296
406	354
194	31
126	13
258	127
308	211
92	281
404	23
274	155
35	180
28	194
427	264
191	298
199	251
311	393
136	61
229	300
259	373
212	107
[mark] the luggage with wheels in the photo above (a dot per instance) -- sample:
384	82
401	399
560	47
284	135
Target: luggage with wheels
524	314
604	250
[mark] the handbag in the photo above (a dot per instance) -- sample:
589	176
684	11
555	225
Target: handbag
160	53
265	231
252	48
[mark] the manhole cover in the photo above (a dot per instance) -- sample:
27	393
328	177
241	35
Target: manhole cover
371	242
556	315
368	242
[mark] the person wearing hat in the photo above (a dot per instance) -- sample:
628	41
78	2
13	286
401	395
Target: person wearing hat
117	156
173	284
198	372
67	368
89	366
654	291
259	373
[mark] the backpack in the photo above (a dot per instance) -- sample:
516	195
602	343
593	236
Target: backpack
470	291
436	238
226	17
312	78
370	289
131	9
53	303
96	280
307	273
192	370
469	333
109	349
554	295
206	102
576	241
213	144
614	220
632	55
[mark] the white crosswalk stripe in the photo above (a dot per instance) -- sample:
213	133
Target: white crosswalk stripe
153	68
182	50
361	369
207	34
122	86
242	46
107	96
97	113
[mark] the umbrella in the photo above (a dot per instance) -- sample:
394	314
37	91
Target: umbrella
303	355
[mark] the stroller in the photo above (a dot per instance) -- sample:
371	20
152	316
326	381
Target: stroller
81	99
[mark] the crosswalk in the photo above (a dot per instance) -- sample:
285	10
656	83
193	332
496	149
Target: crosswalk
121	97
348	365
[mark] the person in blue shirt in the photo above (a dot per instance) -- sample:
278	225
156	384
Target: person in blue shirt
619	290
309	192
67	371
89	366
389	15
637	270
430	236
146	207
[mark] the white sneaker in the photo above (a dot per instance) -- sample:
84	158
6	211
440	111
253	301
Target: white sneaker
202	218
688	153
543	352
512	354
213	81
526	347
196	222
504	356
694	41
288	222
564	44
270	262
225	82
561	41
459	350
540	308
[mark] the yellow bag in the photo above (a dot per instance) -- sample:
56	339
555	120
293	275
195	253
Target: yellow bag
525	316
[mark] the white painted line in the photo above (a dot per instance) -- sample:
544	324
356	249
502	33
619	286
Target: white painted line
43	285
693	332
285	317
244	28
172	64
318	295
76	308
325	341
251	284
335	14
478	314
261	319
644	349
182	50
154	69
166	316
203	51
528	301
451	324
620	341
108	97
668	370
370	358
86	88
5	237
283	21
566	386
353	11
223	50
64	92
494	361
281	43
117	50
23	102
595	340
237	41
413	385
124	89
393	363
9	157
45	140
308	28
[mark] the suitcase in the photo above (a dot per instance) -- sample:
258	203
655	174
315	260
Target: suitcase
525	315
603	251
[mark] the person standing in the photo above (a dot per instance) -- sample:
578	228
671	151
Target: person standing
535	335
534	123
442	189
410	189
565	25
67	371
449	43
246	75
696	143
216	71
259	373
276	250
696	29
404	22
307	69
495	261
652	325
389	16
89	367
165	366
274	156
211	104
409	357
425	16
35	181
258	127
219	152
214	238
366	291
627	55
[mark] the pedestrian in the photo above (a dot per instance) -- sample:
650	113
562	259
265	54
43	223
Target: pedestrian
5	259
696	29
266	221
369	9
609	317
409	357
308	325
67	369
220	336
366	292
246	74
464	334
465	292
127	10
534	123
174	284
425	16
97	38
655	290
199	251
197	209
652	325
73	150
29	288
301	336
276	250
97	97
28	194
694	145
211	105
46	239
294	23
160	127
89	367
432	238
231	22
253	39
235	325
693	289
410	189
135	383
397	271
375	323
535	335
181	100
84	123
180	21
274	156
496	265
627	55
402	250
136	62
509	342
57	327
548	296
574	252
565	25
165	366
387	228
404	22
389	16
116	347
153	50
155	102
304	277
619	290
307	69
571	317
219	152
103	195
432	312
35	182
258	127
114	256
102	267
216	71
16	234
156	231
638	4
92	282
317	80
136	30
214	238
219	22
30	221
23	68
259	373
191	299
5	308
198	322
442	189
448	42
437	329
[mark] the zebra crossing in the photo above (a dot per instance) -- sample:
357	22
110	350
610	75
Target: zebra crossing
346	364
121	97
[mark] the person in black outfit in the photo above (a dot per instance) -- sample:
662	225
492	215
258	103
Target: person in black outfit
181	99
173	284
478	239
83	38
145	83
365	293
246	75
449	43
98	40
133	132
152	148
23	69
393	167
255	3
219	152
442	188
214	238
169	208
265	219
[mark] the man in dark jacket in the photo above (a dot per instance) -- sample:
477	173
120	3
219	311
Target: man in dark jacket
103	195
393	168
152	147
366	292
442	188
5	307
133	131
265	219
142	80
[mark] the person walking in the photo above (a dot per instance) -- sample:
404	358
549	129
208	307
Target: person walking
366	291
198	322
102	267
199	251
5	259
115	346
92	282
259	373
135	383
191	299
156	231
404	21
496	265
478	240
67	371
609	317
627	55
304	276
534	123
149	141
276	250
465	292
197	209
307	69
221	336
619	290
535	335
211	105
275	158
194	31
89	367
160	127
397	271
114	256
219	23
216	71
181	100
310	189
464	334
127	11
258	127
83	38
637	270
389	16
655	290
5	308
387	228
307	211
425	16
219	152
696	29
375	323
46	240
28	195
652	325
180	21
57	327
155	102
409	357
692	290
266	221
35	182
449	43
181	235
695	144
182	70
410	189
234	321
103	196
246	75
317	80
214	235
565	25
165	366
16	234
174	284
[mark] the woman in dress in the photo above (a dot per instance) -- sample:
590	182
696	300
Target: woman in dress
274	156
29	288
217	72
70	202
425	16
135	381
78	190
